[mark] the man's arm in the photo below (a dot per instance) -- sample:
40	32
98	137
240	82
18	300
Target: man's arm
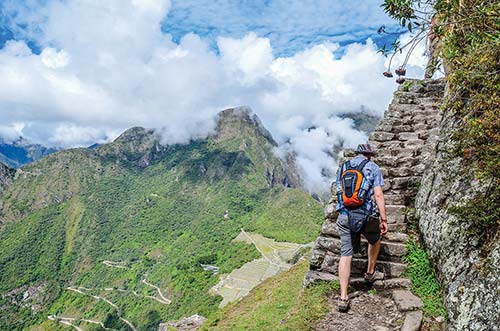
380	201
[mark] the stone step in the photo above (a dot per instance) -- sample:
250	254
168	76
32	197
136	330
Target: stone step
397	227
404	136
404	182
383	126
406	301
386	284
430	100
313	276
395	150
396	236
358	266
398	110
387	249
382	136
330	229
395	213
394	199
386	147
402	171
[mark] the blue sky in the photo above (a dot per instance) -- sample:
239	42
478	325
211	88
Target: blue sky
291	26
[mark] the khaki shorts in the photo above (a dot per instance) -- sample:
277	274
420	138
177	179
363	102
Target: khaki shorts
351	243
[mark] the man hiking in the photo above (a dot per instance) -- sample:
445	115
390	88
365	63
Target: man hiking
359	182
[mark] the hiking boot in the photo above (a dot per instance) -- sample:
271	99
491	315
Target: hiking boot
376	275
343	305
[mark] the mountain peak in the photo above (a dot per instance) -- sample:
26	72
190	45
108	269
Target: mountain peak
232	122
136	133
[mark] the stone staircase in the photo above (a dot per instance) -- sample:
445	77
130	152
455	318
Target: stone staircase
403	140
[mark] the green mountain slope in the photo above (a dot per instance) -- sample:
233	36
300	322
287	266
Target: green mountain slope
117	234
279	303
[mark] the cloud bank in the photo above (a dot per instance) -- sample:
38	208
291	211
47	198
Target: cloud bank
107	66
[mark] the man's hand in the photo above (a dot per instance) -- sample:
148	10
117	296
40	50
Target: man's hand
383	227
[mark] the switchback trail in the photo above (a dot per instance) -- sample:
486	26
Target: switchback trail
81	290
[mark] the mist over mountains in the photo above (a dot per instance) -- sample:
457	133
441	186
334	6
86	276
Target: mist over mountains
112	67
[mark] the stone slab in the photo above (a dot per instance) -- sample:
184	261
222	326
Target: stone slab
408	136
317	257
406	301
394	199
402	172
396	236
358	267
398	227
413	321
313	276
382	136
392	283
389	249
330	228
395	214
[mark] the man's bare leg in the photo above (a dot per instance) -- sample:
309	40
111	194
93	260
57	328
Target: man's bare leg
373	251
344	274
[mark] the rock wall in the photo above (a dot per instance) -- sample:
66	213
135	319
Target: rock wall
404	140
470	273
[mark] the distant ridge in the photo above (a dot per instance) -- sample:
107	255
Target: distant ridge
20	152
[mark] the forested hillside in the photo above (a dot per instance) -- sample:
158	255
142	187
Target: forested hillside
118	235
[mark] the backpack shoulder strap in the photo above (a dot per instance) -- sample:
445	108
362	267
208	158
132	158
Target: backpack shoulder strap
362	165
346	165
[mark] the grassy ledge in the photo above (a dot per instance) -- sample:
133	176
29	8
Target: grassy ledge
279	303
424	283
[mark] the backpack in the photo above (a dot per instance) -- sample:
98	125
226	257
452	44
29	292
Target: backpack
354	189
353	185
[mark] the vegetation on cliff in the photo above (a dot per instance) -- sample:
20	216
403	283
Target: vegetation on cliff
471	51
468	35
424	283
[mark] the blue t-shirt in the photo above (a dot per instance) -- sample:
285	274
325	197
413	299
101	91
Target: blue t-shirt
372	174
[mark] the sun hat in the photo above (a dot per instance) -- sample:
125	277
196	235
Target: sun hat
365	149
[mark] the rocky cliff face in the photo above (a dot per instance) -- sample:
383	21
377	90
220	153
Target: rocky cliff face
469	271
6	175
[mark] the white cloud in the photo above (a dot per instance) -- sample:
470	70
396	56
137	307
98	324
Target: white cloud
107	66
11	132
248	58
53	59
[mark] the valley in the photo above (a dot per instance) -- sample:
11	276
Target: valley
119	234
276	258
